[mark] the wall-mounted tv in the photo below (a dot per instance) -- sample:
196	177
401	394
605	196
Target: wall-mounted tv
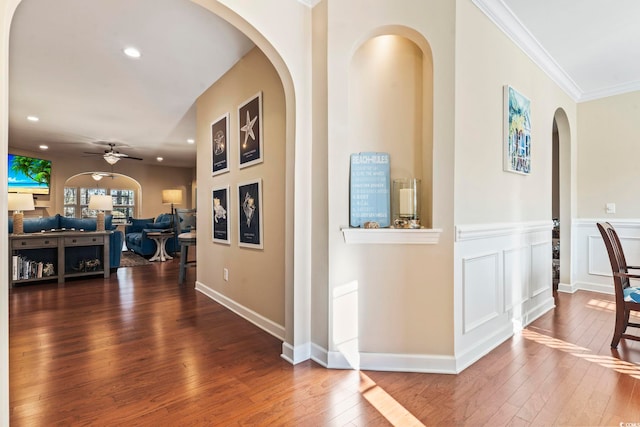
29	175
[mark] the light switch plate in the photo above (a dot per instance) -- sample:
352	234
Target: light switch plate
610	208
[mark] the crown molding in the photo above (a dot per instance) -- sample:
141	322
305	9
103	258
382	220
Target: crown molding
500	14
611	91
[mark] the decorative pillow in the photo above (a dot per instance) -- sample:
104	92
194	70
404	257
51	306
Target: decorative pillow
137	225
158	225
163	217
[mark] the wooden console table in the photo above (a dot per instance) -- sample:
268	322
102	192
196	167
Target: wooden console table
51	248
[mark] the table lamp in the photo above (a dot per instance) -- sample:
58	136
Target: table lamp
100	203
172	197
17	203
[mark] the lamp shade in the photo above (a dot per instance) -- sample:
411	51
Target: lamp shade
20	202
171	197
101	202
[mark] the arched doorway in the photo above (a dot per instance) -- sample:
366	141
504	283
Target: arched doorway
298	128
561	199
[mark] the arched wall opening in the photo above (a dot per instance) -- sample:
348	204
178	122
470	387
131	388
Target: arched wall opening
296	346
561	122
391	106
108	180
298	229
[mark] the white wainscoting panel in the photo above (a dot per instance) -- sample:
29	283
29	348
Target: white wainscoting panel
517	272
592	271
480	293
540	264
502	281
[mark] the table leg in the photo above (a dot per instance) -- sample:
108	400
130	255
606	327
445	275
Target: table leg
164	254
183	263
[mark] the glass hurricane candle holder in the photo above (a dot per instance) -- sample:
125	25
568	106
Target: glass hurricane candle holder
405	203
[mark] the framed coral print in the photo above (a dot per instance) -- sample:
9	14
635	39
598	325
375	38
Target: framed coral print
517	132
250	214
220	145
250	131
220	215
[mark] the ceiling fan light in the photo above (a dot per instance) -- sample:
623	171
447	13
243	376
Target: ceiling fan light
111	158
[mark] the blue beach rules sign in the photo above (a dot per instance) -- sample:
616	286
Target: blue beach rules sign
369	189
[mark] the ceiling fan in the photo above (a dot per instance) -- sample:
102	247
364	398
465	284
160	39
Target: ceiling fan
113	156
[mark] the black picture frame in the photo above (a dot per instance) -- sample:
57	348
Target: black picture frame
250	144
220	145
250	214
220	215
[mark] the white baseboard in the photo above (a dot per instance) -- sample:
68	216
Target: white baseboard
297	354
423	363
593	287
244	312
482	348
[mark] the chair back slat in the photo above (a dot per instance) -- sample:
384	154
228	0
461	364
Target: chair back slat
616	257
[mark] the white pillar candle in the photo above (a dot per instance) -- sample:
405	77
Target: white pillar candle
407	207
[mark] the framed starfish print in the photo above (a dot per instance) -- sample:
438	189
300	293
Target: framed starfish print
250	131
250	214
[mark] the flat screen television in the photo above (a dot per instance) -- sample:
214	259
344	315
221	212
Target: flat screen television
29	175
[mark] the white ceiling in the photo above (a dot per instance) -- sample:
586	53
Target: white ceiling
67	67
591	48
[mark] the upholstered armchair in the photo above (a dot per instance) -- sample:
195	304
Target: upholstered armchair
135	234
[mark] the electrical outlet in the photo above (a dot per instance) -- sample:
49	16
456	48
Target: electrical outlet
225	274
610	208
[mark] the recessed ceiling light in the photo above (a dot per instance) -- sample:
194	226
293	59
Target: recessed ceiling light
132	52
191	140
33	118
159	159
44	147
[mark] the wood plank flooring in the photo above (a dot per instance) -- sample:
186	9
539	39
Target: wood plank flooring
138	350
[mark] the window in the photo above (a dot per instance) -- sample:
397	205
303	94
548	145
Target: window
85	195
76	200
70	201
123	204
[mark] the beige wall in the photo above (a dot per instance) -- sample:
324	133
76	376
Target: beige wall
608	154
152	179
256	276
486	60
404	300
320	198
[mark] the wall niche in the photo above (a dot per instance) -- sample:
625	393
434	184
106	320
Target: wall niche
391	108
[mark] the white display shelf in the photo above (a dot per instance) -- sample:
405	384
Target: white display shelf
392	236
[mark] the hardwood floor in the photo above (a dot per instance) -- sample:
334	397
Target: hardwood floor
137	349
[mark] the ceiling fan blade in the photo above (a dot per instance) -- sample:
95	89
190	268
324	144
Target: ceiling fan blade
131	157
97	154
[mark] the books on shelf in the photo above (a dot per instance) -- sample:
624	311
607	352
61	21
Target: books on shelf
23	268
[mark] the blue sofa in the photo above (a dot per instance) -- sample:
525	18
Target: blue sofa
136	239
36	225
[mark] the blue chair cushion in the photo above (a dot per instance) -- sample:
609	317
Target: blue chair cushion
137	225
632	294
158	225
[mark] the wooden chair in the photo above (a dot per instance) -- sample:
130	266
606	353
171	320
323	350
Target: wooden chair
627	297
